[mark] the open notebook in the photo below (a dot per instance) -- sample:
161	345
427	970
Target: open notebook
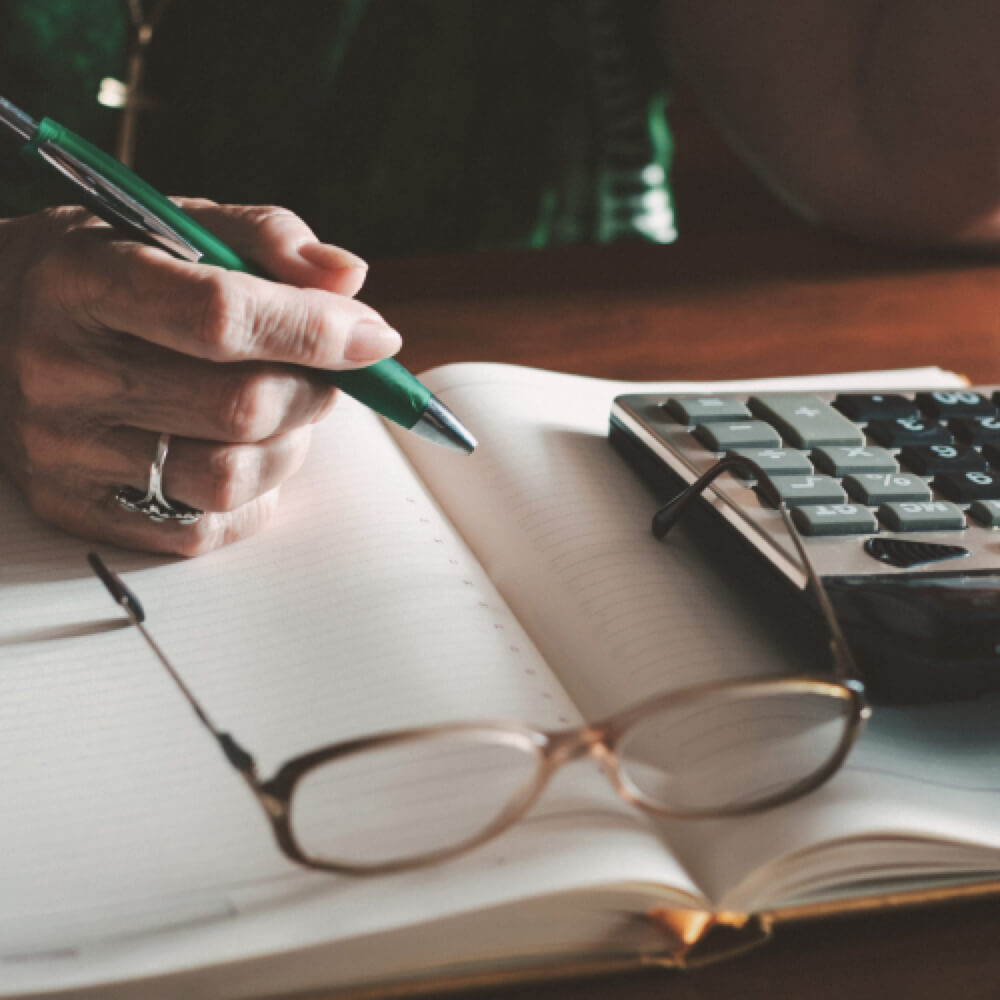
401	585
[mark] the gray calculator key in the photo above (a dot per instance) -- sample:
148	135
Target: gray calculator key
921	515
744	434
777	461
834	519
706	409
796	490
986	512
842	459
806	421
874	488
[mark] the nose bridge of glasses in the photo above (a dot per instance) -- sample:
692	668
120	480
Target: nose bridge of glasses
589	741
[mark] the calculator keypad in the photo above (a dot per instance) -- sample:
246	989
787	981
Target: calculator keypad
919	466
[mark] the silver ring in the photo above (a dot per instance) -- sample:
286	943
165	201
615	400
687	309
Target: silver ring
153	503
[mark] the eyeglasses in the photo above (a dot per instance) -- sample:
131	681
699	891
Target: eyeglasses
415	797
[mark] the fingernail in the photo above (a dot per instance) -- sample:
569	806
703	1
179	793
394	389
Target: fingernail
330	257
371	340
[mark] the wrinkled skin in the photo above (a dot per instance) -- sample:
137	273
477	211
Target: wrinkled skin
105	343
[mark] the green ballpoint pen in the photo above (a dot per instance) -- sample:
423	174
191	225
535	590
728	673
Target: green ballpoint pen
127	202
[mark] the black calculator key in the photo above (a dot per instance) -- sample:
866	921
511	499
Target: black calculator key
991	452
862	407
917	515
952	403
976	430
939	459
964	487
908	430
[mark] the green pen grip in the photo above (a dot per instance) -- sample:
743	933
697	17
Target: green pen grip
386	386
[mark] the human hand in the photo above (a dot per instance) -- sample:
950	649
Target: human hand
105	344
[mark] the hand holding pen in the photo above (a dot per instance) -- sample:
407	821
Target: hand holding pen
111	351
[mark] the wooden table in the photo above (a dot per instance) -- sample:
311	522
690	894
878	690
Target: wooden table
762	295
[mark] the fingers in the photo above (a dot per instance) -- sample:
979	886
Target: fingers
75	480
281	245
110	523
209	313
211	532
128	382
205	474
104	344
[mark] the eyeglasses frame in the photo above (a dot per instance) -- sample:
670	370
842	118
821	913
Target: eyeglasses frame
552	748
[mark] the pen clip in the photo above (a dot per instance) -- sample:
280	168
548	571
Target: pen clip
116	206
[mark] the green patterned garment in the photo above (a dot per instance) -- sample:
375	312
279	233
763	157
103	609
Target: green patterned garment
392	126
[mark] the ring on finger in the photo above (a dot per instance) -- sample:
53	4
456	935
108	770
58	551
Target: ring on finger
153	503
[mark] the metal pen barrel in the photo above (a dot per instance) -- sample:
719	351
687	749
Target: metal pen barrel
16	120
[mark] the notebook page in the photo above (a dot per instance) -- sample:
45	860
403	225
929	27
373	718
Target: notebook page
919	796
562	526
358	610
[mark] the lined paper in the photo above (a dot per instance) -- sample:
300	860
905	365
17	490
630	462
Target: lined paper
562	525
359	610
521	583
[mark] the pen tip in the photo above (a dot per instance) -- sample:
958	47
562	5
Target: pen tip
438	424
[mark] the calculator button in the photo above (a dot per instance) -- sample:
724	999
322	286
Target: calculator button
921	515
873	488
834	519
938	459
986	512
776	461
839	460
964	487
705	409
862	407
745	434
976	430
908	430
991	452
796	490
806	421
944	405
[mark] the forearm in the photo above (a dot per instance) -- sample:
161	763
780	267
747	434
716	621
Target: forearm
880	116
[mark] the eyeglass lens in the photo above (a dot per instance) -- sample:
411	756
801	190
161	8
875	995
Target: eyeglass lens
733	747
728	748
404	800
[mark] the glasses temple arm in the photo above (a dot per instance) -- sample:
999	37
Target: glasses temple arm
844	664
664	519
122	595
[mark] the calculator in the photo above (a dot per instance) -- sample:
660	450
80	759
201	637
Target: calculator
896	496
